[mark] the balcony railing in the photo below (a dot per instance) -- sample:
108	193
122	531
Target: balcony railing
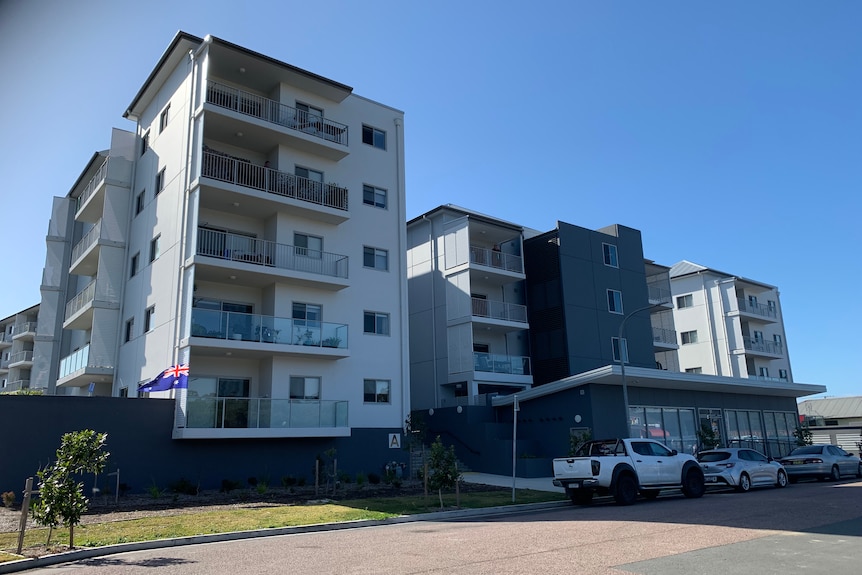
239	248
21	356
4	364
219	166
658	294
267	329
84	297
663	335
276	113
764	346
767	378
17	385
499	310
88	240
258	412
80	359
496	259
757	308
497	363
93	185
24	327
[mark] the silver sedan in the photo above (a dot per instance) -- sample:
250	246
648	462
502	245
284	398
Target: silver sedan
822	462
740	468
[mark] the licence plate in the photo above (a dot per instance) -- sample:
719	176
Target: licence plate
711	479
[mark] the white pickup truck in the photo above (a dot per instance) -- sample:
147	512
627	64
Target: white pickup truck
624	467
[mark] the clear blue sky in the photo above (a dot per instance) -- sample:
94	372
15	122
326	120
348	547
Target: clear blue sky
729	133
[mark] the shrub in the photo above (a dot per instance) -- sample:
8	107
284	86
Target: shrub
184	486
228	485
288	481
8	499
261	487
360	478
344	477
154	491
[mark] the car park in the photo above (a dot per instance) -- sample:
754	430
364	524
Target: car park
821	462
741	469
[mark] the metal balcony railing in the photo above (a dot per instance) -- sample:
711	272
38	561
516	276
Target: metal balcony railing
88	240
764	346
264	413
757	308
239	248
663	335
93	185
276	113
496	259
222	167
658	294
498	363
17	385
4	364
21	356
767	378
84	297
24	327
499	310
267	329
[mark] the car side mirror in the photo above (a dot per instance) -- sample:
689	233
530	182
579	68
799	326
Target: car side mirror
673	452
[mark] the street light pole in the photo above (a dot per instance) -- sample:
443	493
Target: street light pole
626	415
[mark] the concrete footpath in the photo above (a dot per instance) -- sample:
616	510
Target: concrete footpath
537	484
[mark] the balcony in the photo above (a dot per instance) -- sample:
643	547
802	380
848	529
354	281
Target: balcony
79	310
81	367
21	359
25	331
763	347
499	310
93	186
262	335
756	311
766	378
659	295
502	364
16	385
256	417
664	338
85	254
268	122
5	339
327	202
496	260
266	262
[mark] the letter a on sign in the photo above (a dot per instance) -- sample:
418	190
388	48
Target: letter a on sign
394	441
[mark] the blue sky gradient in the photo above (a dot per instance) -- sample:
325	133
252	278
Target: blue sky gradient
729	133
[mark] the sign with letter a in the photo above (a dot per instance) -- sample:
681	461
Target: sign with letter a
394	441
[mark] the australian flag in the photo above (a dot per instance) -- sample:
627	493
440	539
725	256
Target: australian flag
175	377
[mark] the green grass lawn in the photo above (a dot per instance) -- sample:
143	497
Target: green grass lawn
224	521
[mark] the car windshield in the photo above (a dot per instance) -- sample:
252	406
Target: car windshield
807	450
710	456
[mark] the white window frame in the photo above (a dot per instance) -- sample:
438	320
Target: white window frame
612	301
160	181
376	253
610	255
305	380
375	194
378	324
140	202
134	264
763	371
684	301
129	331
615	347
688	337
164	118
149	316
694	370
378	136
145	142
307	250
155	248
379	385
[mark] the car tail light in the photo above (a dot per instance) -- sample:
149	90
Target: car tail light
595	467
726	465
813	460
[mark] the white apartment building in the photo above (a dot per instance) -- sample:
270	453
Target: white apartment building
468	314
252	227
17	336
728	325
664	335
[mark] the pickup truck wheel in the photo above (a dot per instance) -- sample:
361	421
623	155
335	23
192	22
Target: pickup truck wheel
581	496
650	493
693	484
626	491
744	483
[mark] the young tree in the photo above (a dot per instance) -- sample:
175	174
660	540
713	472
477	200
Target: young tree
803	436
61	495
442	468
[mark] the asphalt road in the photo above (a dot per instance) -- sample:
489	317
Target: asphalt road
808	527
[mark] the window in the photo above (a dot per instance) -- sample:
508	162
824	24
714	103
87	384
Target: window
752	301
139	202
688	337
133	267
777	339
304	388
375	258
763	372
373	137
306	323
130	330
155	248
758	336
615	344
782	374
308	113
694	370
684	301
310	313
609	252
149	318
309	246
145	142
308	174
615	301
770	304
376	323
160	181
376	391
372	196
163	119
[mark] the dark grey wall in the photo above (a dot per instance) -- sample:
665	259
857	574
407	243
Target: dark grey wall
139	440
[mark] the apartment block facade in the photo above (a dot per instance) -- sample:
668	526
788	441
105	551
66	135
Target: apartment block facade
17	340
252	227
728	325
